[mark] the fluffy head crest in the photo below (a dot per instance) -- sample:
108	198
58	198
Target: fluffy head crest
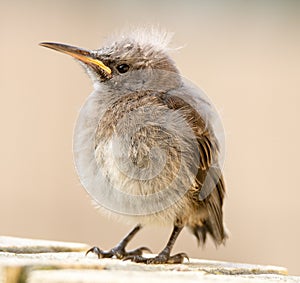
155	37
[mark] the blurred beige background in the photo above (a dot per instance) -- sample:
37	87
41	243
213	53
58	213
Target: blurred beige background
244	54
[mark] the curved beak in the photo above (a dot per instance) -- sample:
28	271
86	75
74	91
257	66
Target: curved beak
80	54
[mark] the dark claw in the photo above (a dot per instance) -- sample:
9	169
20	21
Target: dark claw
139	251
178	258
100	253
136	258
159	259
118	252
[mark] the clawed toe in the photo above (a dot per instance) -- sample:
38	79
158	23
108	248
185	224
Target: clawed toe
136	258
178	258
138	251
118	252
159	259
100	253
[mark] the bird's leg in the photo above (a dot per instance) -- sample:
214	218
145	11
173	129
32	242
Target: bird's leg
164	256
119	250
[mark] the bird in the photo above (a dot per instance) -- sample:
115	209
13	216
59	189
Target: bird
147	143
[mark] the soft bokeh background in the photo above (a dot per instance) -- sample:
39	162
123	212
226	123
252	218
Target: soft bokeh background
244	54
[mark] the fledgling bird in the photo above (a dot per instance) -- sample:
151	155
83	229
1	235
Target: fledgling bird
146	144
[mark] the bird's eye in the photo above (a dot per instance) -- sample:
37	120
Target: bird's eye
123	68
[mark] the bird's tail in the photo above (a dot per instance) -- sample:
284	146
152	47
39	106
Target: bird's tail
201	232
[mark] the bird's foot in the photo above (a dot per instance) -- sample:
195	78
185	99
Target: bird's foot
161	258
119	252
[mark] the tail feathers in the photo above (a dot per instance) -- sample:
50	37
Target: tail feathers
200	232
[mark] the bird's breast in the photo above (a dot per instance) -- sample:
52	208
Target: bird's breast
145	148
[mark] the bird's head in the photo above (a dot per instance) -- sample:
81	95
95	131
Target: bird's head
134	60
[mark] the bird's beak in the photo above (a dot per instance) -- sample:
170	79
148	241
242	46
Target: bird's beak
80	54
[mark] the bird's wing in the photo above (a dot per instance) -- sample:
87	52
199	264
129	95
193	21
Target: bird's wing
211	187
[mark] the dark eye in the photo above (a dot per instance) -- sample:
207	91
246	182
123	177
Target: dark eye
123	68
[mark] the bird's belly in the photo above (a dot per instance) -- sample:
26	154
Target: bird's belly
154	186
